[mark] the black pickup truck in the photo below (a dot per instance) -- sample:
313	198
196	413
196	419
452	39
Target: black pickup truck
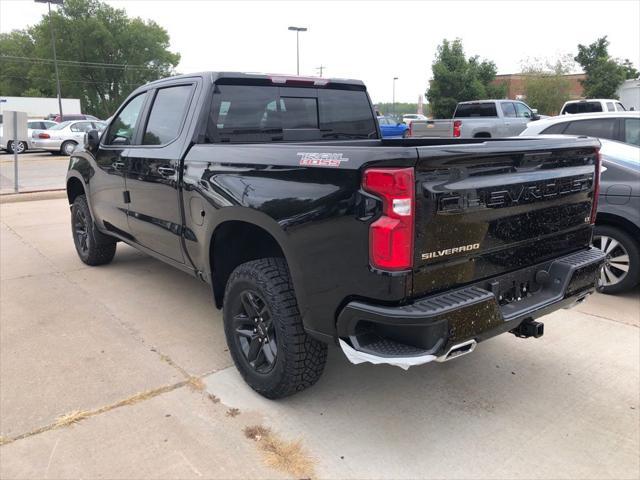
280	193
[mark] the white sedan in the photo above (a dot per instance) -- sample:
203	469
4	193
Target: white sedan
66	136
23	146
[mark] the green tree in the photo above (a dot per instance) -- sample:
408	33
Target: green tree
546	86
457	79
603	74
103	55
386	108
630	72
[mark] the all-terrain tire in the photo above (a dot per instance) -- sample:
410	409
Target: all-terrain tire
300	359
93	247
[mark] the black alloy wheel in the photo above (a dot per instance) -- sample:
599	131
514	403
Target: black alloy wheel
254	332
81	230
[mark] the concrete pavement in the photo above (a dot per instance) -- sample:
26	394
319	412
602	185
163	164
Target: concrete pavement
122	371
36	171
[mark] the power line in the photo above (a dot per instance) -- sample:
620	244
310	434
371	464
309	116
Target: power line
66	81
75	63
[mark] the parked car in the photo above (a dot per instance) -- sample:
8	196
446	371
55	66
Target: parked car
392	129
73	116
617	230
311	229
64	137
478	119
26	144
592	105
620	126
410	117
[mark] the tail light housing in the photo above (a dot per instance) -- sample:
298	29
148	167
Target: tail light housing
410	129
596	187
391	235
44	135
456	127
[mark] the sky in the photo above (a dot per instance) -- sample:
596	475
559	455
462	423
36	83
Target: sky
371	40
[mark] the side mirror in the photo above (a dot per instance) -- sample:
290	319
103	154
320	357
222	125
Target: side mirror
535	117
92	140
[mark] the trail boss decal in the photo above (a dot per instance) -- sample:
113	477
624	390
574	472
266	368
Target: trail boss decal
314	159
450	251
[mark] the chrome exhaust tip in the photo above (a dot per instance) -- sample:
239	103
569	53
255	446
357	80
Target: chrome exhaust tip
458	350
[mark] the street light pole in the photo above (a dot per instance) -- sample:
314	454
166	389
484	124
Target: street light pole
55	58
298	30
393	101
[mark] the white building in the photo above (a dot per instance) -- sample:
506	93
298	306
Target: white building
39	107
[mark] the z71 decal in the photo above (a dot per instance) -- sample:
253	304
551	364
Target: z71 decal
314	159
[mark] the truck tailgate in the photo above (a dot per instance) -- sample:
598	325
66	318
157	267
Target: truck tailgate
431	129
489	208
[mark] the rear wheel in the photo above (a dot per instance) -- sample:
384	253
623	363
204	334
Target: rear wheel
93	247
68	147
21	147
264	331
621	270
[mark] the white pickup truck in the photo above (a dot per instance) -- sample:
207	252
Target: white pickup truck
478	119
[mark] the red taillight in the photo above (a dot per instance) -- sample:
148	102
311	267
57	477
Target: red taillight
43	135
410	129
456	127
391	235
596	188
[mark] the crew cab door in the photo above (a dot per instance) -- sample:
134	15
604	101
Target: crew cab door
108	200
153	171
512	123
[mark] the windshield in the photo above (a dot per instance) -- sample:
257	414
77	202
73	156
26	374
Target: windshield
249	113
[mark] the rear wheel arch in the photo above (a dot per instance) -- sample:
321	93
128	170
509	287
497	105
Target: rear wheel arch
622	223
233	243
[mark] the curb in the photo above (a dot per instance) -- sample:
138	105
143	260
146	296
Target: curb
32	196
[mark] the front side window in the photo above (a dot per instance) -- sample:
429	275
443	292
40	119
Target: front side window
122	129
600	128
167	113
620	107
508	110
522	111
632	131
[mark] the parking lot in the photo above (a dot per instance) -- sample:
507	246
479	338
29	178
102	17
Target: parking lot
37	170
122	371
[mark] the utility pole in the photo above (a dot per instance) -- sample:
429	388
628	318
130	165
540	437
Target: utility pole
298	30
393	101
53	45
321	68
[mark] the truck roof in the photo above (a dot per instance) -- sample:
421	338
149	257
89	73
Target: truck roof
275	78
488	101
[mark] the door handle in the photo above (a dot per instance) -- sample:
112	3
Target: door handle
166	171
117	165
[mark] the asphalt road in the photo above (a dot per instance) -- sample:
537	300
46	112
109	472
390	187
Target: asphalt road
122	371
36	171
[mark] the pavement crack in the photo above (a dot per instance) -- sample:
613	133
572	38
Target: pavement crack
80	415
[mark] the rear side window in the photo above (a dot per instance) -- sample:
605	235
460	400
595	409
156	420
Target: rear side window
468	110
167	114
556	129
632	131
250	113
610	107
600	128
508	110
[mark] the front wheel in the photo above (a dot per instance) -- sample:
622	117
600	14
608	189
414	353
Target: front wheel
621	270
264	331
93	247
